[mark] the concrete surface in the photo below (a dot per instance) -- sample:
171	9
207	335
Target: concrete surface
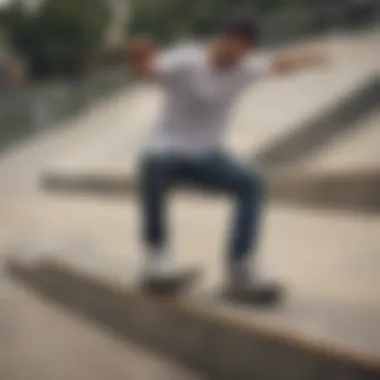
350	191
40	341
328	260
43	342
309	136
194	332
342	174
354	152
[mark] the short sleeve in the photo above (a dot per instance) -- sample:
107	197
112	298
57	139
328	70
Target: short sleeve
171	65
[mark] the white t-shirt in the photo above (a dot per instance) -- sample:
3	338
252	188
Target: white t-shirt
198	99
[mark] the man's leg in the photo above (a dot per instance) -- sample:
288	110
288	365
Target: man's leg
220	172
158	175
247	188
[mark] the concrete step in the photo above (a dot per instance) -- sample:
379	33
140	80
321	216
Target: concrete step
328	327
357	191
40	341
329	261
351	190
309	137
344	174
356	151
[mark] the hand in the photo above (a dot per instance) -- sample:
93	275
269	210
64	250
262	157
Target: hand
141	49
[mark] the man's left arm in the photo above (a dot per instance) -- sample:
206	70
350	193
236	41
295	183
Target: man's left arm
287	63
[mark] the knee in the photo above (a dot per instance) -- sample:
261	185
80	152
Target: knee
154	168
157	173
252	185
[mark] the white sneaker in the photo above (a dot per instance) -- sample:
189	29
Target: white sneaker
159	265
249	286
162	275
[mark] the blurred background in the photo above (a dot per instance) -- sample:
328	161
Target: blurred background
71	125
62	55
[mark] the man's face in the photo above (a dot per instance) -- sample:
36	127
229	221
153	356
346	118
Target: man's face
230	51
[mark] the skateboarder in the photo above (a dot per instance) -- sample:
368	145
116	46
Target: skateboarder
201	84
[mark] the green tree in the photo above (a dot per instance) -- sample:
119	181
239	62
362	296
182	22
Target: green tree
58	37
172	19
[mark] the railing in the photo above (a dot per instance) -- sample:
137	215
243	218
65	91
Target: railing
29	110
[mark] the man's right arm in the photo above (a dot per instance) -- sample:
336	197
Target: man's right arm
142	54
148	63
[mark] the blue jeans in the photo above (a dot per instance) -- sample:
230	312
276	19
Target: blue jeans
162	172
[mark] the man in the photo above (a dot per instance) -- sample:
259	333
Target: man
201	85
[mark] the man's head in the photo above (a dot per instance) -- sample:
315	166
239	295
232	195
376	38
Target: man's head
238	36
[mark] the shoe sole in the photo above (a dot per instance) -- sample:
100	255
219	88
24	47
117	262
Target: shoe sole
170	286
270	298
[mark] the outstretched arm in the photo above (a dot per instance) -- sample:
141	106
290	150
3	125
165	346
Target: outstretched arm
288	63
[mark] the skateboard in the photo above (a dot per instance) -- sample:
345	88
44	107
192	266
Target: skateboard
172	285
179	285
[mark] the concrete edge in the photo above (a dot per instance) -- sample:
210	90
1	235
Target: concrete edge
352	190
102	184
309	136
193	334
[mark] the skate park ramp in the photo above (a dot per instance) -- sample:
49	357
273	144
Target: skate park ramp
344	174
327	328
269	124
40	341
349	115
84	254
355	151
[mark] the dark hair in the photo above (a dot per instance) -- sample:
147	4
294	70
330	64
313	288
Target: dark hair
243	25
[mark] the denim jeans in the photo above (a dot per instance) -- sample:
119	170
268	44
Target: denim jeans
162	172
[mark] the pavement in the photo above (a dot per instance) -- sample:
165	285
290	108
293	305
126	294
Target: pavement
40	341
329	260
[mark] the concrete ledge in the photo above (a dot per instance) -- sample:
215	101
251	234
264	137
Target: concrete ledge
354	191
84	183
310	136
199	335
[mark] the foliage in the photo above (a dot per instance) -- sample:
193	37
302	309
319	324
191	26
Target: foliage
175	19
58	37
